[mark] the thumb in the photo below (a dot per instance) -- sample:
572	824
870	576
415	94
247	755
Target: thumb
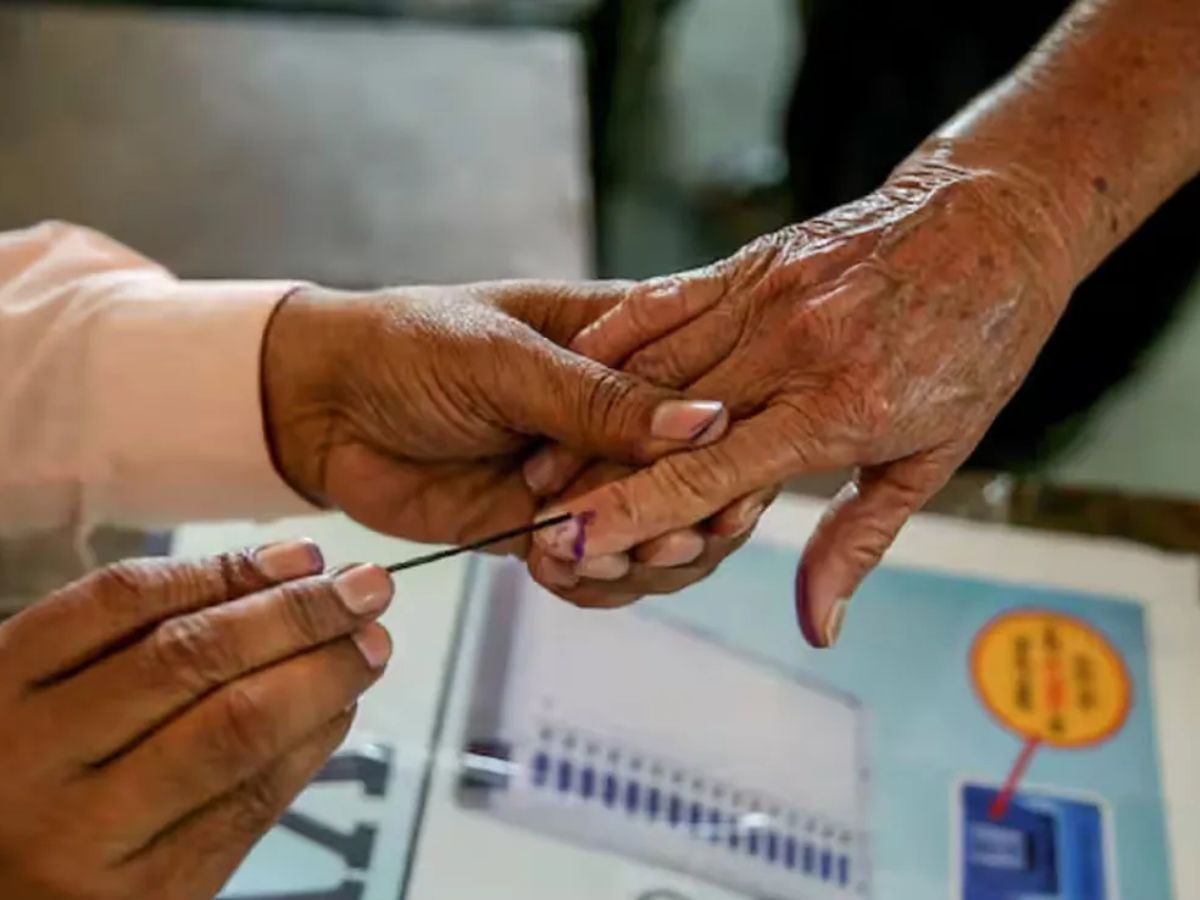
857	529
597	411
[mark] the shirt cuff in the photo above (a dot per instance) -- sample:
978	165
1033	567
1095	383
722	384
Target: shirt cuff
176	424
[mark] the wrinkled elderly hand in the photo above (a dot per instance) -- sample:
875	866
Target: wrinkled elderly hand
160	715
885	335
413	410
662	565
666	563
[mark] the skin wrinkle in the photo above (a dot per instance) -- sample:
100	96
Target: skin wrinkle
863	302
442	394
1137	126
979	238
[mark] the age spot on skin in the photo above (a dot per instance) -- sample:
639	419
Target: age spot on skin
1100	183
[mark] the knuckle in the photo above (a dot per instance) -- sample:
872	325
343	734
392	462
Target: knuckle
258	804
230	574
170	583
905	492
693	478
655	365
126	582
871	541
800	326
799	429
874	409
624	504
192	651
119	592
243	734
728	319
606	400
312	613
642	310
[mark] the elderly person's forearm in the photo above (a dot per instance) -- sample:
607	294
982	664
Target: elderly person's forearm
885	335
1103	116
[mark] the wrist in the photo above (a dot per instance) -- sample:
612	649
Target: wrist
1025	200
1101	121
303	354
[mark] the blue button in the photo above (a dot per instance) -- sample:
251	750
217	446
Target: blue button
810	858
587	782
632	795
674	810
772	846
734	838
843	867
714	821
696	816
752	843
789	852
610	789
564	775
826	865
541	768
653	800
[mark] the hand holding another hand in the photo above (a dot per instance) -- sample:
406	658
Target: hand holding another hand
884	336
414	409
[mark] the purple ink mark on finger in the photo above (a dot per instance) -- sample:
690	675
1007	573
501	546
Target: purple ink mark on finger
804	615
583	519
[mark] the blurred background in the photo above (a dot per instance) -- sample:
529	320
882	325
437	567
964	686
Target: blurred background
363	142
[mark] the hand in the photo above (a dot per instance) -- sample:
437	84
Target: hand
664	564
413	410
159	715
885	335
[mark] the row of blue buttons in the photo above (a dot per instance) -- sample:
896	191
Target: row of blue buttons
775	848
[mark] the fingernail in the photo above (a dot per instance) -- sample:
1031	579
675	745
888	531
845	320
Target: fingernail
833	621
748	517
363	589
609	567
686	420
538	472
566	541
556	574
803	612
288	560
677	549
375	646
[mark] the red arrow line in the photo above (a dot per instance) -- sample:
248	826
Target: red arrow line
1000	805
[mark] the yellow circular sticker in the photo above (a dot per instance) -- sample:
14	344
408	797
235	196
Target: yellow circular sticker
1051	678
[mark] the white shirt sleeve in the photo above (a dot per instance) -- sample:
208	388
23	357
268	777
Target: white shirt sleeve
128	397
